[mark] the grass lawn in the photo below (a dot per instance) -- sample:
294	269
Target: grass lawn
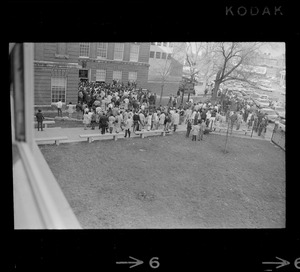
172	182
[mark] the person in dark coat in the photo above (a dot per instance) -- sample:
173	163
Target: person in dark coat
40	118
188	128
103	123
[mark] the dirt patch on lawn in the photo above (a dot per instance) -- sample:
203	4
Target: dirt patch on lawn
172	182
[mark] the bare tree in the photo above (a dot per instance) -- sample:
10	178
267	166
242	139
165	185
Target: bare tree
235	62
202	60
162	68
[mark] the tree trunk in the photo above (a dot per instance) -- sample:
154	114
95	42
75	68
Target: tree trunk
161	93
182	98
216	87
204	84
215	91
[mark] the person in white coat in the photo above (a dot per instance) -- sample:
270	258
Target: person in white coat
162	120
175	120
128	126
86	120
149	121
154	121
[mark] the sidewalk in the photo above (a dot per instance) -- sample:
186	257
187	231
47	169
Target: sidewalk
73	134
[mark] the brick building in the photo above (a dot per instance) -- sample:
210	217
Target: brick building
58	67
166	65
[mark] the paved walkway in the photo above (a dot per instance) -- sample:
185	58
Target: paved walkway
73	134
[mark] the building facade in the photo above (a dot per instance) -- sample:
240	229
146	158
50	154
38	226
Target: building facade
166	64
59	67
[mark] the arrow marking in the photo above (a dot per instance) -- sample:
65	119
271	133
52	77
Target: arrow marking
135	263
281	264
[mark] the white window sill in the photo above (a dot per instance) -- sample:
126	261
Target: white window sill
43	205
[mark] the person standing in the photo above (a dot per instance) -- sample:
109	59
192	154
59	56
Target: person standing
239	120
126	103
128	126
233	119
167	121
181	116
195	132
203	115
188	127
103	123
118	122
39	118
59	108
86	119
142	120
79	110
193	117
175	120
162	117
111	121
261	126
188	114
250	119
70	109
196	117
212	118
93	119
208	116
149	121
266	122
202	128
136	122
154	121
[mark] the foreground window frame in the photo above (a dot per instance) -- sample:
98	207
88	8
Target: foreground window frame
38	200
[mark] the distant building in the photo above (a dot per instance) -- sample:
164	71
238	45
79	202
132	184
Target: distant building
58	67
273	64
166	65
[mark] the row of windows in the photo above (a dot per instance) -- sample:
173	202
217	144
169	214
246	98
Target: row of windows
166	44
117	75
84	51
159	55
59	84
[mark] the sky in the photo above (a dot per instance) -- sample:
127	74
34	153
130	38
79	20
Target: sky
275	48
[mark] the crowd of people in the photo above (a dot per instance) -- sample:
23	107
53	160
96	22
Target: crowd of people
124	96
117	107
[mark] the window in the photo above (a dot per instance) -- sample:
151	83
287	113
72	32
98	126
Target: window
165	44
119	49
117	75
58	89
61	49
84	50
164	55
132	76
102	50
152	54
83	73
169	56
158	55
100	75
159	43
153	43
134	52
